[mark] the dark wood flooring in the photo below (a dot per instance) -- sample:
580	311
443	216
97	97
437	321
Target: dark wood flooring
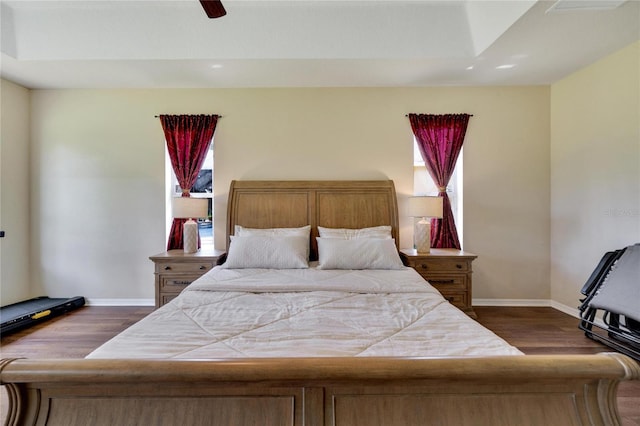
532	330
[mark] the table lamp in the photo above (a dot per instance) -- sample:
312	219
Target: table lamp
189	208
424	208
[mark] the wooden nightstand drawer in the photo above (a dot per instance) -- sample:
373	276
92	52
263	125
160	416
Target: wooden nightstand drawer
168	297
168	267
457	299
440	265
447	281
176	283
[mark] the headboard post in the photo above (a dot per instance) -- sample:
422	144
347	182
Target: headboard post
328	203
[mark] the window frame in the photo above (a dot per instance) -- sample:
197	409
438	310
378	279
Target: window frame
172	189
423	185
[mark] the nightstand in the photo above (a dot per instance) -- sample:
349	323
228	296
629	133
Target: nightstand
175	269
448	270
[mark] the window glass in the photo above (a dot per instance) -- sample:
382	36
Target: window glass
203	188
424	185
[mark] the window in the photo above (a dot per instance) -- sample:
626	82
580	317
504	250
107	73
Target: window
203	188
424	185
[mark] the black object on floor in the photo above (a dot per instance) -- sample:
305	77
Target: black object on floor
613	292
30	312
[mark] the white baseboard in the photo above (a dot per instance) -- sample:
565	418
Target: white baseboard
512	302
574	312
476	302
120	302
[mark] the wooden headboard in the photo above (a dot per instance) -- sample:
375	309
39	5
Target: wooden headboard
331	204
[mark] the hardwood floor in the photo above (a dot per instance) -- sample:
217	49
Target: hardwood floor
548	331
532	330
72	335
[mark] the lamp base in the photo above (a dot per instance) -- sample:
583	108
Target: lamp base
190	236
422	236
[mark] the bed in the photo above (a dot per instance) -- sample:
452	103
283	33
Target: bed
319	328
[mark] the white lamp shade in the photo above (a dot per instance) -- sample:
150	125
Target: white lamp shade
425	206
188	208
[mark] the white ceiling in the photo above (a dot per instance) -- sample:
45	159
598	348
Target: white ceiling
307	43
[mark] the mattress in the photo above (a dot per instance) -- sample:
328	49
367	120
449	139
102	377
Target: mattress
256	313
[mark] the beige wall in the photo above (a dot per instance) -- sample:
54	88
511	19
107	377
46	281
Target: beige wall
98	176
506	195
595	168
14	193
97	173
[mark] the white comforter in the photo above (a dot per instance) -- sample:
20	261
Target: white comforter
230	313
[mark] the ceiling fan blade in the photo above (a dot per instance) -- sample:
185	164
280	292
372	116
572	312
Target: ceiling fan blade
213	8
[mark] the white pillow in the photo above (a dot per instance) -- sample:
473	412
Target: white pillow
303	231
259	251
359	253
347	234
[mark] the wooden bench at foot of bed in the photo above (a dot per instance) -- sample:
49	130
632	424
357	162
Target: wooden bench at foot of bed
511	390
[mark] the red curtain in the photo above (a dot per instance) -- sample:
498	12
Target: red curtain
440	139
188	138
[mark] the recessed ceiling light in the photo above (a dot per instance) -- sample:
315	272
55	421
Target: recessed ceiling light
505	66
216	66
470	67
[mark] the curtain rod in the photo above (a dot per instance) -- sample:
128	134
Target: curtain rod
219	116
470	115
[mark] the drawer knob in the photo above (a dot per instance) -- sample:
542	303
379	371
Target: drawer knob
202	267
167	268
424	266
450	299
459	266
